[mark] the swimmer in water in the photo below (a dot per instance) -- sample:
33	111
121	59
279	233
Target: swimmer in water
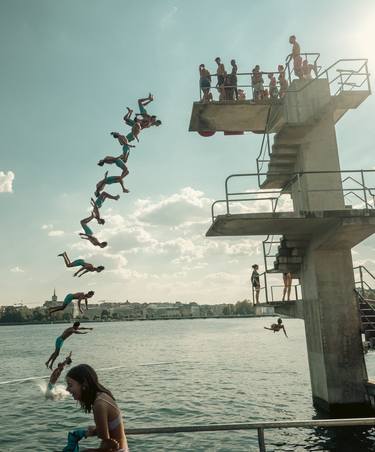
55	375
73	296
85	266
75	329
276	327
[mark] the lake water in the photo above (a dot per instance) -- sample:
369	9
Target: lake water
174	373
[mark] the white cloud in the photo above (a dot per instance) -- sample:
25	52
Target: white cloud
17	269
55	233
6	182
47	226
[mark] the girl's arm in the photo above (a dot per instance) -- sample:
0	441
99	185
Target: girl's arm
101	421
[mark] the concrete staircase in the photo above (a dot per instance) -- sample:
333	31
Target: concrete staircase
289	256
367	313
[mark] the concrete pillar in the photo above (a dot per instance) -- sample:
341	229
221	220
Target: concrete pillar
336	360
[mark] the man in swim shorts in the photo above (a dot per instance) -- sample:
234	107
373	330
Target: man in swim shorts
120	160
143	117
88	235
112	180
276	327
73	296
85	266
55	375
75	329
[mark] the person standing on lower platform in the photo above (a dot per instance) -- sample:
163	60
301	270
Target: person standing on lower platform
255	282
287	278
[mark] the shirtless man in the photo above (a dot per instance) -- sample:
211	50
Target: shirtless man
257	83
73	296
205	83
85	266
220	72
55	375
75	329
283	82
89	235
145	119
112	180
274	92
296	55
119	161
276	327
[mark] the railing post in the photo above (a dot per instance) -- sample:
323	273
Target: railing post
361	280
364	189
296	293
261	442
265	286
226	195
299	191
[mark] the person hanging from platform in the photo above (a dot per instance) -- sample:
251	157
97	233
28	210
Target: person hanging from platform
296	55
255	282
55	375
276	327
143	117
287	279
89	235
79	296
84	386
108	180
75	329
85	266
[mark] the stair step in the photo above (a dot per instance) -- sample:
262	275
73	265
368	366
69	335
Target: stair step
285	149
289	260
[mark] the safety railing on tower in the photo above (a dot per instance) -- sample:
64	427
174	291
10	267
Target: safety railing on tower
355	187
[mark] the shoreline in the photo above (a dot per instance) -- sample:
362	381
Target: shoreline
47	322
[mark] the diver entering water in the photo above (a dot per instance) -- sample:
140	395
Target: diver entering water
75	329
55	375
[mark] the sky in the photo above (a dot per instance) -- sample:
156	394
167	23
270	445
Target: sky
69	70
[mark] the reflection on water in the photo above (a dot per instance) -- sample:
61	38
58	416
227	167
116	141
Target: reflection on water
166	373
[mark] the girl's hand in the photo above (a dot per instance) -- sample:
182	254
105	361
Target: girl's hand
91	431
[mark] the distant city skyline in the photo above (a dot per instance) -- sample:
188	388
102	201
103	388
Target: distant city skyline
69	71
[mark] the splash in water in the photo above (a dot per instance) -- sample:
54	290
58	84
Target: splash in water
58	392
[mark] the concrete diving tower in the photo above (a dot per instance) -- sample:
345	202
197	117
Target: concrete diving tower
304	163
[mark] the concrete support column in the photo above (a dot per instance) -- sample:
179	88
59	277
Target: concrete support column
336	360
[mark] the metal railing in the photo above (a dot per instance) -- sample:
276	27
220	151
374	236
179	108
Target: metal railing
362	285
307	56
260	427
296	290
272	197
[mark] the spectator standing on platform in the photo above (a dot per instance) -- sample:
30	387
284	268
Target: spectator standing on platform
296	55
220	72
287	278
205	83
255	282
274	92
233	78
282	81
257	83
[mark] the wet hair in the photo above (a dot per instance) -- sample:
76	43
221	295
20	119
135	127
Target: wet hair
255	266
90	293
103	244
86	376
217	59
279	321
157	122
292	37
76	324
101	221
100	268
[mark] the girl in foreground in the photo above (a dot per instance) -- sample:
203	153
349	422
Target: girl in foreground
83	385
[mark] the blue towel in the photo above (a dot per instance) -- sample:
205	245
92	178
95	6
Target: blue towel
73	438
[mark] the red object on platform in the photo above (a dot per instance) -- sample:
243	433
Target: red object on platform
206	133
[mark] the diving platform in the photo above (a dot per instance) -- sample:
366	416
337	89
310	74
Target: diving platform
347	226
272	115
